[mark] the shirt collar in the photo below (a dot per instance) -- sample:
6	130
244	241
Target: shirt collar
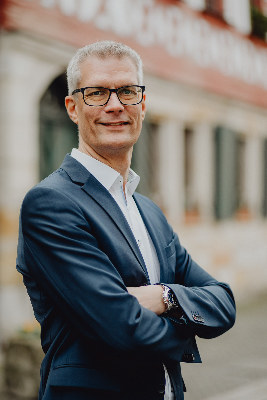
132	182
103	173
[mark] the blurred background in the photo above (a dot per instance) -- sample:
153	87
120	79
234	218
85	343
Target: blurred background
205	64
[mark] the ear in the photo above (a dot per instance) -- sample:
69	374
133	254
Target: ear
71	107
143	107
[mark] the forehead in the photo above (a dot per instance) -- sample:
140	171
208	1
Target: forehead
109	71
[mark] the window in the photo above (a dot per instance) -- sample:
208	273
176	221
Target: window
188	149
259	19
215	7
230	159
240	173
144	159
225	173
58	134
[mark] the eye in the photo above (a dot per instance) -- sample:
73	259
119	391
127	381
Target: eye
95	92
98	93
128	91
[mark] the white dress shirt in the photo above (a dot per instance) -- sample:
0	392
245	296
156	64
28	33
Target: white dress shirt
113	182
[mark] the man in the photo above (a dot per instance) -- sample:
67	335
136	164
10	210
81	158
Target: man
119	300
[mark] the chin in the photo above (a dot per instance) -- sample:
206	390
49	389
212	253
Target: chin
120	146
119	142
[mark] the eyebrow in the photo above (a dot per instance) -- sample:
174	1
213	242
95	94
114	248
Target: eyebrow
107	86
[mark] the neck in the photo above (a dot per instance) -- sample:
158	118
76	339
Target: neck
120	161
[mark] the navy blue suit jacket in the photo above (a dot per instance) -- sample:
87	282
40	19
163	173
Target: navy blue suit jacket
77	254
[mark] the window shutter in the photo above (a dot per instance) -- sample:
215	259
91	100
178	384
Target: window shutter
225	173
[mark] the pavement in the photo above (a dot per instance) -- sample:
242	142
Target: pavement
234	366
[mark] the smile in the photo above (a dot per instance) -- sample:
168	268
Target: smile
114	123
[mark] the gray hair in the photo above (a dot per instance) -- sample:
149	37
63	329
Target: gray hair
102	49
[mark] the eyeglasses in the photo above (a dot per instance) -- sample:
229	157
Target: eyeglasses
99	96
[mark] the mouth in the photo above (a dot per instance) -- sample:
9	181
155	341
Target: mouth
120	123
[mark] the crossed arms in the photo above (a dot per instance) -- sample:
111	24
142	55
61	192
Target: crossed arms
61	252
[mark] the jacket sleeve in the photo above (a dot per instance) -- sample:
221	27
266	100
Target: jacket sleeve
63	256
208	306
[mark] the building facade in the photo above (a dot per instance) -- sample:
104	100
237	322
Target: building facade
202	155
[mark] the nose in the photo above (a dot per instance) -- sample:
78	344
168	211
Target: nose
114	104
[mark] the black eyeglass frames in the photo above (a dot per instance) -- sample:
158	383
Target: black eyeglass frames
99	96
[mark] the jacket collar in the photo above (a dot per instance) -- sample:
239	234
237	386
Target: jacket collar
75	170
89	184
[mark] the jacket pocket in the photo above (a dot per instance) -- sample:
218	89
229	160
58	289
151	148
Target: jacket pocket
170	249
81	376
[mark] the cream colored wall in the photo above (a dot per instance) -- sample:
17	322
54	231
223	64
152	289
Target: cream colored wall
232	251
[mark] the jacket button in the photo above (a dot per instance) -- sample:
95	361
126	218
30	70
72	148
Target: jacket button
198	318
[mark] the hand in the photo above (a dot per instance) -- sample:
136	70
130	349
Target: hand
149	297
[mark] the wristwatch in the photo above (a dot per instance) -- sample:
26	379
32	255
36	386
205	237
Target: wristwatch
168	298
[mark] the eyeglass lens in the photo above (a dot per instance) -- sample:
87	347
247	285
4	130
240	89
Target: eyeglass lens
128	95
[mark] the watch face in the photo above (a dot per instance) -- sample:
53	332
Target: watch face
170	298
169	301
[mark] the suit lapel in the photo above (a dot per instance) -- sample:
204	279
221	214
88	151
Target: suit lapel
79	174
155	237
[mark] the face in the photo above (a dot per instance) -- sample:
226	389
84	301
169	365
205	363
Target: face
113	128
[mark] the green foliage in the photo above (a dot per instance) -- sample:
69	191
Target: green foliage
259	23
